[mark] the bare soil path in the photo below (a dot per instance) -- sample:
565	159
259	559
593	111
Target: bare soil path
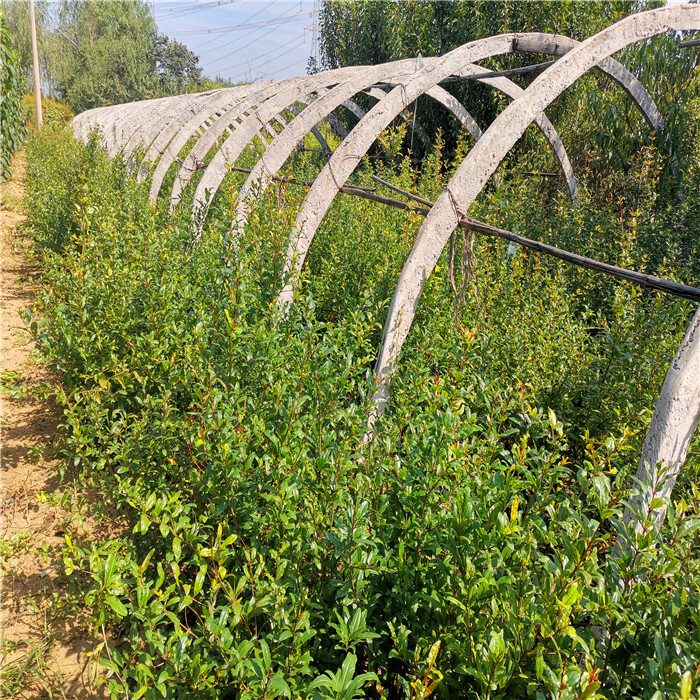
44	645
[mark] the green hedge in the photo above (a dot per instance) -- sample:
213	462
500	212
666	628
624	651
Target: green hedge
12	114
257	550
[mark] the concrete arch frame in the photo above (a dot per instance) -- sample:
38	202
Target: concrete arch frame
218	167
170	141
160	124
269	165
677	412
262	107
458	62
472	174
166	147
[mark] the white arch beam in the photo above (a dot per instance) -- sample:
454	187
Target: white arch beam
483	159
236	143
264	106
199	122
348	154
159	129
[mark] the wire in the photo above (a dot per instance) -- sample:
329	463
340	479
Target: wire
200	7
238	49
254	64
174	13
264	65
57	28
253	25
215	44
263	56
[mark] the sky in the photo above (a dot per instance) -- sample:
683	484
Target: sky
243	40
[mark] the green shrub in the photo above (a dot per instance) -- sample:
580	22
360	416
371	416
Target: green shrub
12	116
258	549
52	111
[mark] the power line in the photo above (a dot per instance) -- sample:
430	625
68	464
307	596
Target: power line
58	29
258	71
252	25
238	48
214	44
200	7
265	56
276	50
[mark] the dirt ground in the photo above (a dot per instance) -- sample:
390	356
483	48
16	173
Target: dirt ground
44	645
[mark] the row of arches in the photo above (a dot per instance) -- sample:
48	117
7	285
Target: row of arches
226	121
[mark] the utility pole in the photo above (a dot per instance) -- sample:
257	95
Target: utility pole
35	58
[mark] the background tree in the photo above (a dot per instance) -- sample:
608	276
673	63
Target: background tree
12	118
111	58
373	31
17	20
177	67
100	53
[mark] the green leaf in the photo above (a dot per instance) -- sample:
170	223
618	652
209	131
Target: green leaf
686	685
278	687
656	503
432	654
688	527
591	688
116	605
199	579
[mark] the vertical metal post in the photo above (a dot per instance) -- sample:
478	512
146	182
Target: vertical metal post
35	58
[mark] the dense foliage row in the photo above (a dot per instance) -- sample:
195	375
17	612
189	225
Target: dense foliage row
12	116
593	111
362	32
257	549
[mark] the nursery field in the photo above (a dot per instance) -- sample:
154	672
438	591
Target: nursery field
257	548
247	540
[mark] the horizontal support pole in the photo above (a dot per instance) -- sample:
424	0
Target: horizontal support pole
467	222
689	44
480	76
500	73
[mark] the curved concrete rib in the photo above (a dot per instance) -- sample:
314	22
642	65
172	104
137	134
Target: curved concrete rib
348	154
218	167
439	94
153	120
277	153
191	129
483	159
158	126
672	426
200	149
339	129
247	129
